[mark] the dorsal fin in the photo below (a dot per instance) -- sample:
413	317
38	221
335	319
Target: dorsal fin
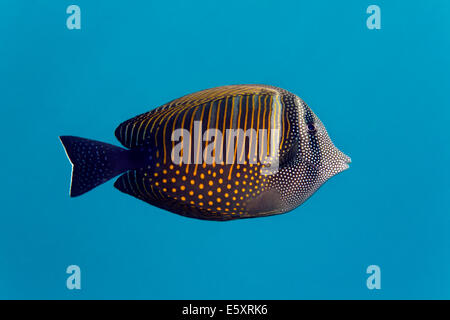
134	132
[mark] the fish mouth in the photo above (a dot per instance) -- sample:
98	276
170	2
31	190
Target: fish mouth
347	161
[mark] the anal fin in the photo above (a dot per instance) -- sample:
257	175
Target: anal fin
138	185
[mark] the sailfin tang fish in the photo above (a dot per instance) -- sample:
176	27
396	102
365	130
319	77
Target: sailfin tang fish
230	152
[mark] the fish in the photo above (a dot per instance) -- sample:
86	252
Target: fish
220	154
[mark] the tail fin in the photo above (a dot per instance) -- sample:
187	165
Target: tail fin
93	162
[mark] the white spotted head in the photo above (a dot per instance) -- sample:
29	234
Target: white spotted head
317	149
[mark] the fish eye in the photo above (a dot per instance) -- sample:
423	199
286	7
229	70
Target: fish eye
311	127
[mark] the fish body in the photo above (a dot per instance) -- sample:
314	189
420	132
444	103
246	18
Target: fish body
224	153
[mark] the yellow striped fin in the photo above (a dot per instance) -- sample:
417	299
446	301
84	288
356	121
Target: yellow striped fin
135	131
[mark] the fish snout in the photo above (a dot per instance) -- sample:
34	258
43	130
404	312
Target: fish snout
345	160
341	160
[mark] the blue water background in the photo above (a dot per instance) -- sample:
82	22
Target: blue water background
382	94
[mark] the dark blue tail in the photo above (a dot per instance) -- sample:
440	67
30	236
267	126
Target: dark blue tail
93	162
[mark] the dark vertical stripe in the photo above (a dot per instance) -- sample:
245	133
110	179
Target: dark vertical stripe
313	141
